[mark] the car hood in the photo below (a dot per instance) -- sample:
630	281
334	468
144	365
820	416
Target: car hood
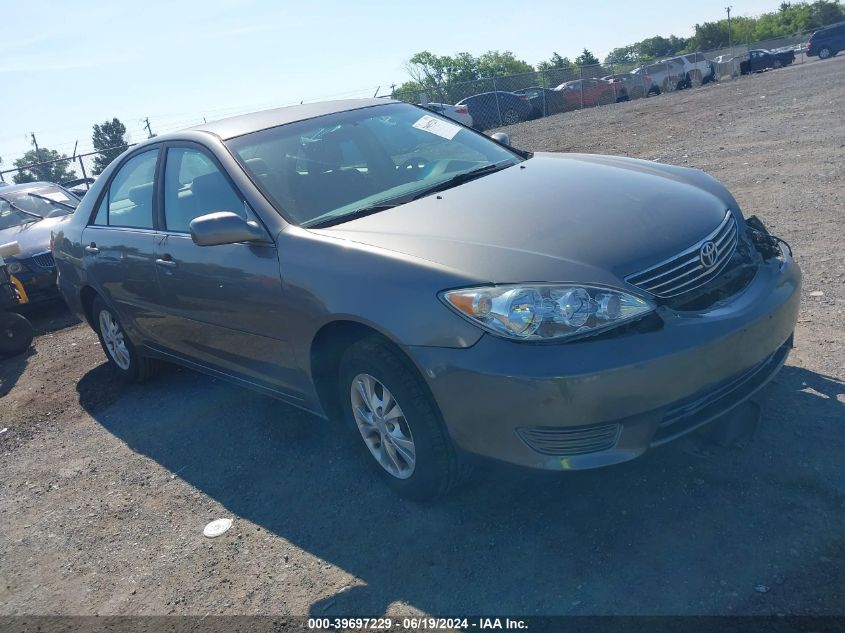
33	237
554	217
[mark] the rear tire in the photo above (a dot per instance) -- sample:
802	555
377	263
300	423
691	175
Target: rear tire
510	117
405	440
15	334
825	53
120	351
695	80
777	64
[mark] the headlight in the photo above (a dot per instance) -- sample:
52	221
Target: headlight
14	267
536	312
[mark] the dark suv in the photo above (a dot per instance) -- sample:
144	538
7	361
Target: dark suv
827	42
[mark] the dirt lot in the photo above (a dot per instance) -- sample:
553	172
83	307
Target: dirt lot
106	487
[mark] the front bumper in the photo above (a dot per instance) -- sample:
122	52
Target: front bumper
607	400
39	285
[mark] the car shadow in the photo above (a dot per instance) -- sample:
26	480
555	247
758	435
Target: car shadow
12	368
690	528
48	316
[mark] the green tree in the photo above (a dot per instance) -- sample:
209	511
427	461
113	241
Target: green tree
586	58
109	140
623	55
500	64
52	172
556	63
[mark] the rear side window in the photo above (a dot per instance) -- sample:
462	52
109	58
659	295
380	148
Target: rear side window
129	200
194	186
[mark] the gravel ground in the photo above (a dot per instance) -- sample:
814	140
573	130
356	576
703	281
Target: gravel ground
106	487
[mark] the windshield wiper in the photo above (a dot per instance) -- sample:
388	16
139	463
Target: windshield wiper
345	217
330	219
21	210
50	200
460	179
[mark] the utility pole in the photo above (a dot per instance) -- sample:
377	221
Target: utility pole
730	32
149	130
37	151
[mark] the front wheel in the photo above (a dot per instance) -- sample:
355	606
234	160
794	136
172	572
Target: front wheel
121	353
15	334
388	405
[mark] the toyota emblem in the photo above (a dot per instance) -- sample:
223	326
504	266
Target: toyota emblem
708	254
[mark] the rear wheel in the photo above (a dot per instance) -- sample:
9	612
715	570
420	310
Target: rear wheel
695	80
509	117
388	405
121	353
777	64
825	52
15	333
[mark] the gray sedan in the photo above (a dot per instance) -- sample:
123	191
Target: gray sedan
439	294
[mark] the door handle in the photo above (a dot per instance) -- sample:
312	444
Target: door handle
168	263
92	248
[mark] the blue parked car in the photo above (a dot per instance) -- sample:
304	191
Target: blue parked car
496	109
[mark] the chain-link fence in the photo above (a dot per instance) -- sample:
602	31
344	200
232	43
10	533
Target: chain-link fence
76	172
499	101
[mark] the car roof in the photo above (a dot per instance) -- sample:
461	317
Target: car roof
255	121
29	186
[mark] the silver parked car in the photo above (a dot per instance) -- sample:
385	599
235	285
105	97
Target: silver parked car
439	292
456	113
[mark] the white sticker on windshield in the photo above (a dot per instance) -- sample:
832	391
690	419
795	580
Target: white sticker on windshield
437	126
58	196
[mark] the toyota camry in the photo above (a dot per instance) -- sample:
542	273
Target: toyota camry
436	292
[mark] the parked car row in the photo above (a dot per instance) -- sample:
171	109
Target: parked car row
500	108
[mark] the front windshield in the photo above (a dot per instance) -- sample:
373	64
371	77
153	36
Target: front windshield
335	166
24	206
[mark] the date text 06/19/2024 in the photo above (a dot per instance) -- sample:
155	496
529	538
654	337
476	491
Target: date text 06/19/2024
415	624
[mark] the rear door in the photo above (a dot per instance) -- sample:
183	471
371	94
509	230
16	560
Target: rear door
222	305
120	244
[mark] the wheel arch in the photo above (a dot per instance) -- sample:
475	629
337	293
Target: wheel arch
86	298
326	350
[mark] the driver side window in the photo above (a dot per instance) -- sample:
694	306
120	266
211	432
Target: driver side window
194	186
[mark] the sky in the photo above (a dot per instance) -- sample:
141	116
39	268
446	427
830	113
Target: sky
67	65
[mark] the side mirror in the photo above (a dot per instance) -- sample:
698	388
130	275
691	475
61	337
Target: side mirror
224	227
501	137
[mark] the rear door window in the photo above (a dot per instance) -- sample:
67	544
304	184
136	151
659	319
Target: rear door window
129	200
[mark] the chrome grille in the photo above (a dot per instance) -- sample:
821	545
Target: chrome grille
562	441
44	260
686	271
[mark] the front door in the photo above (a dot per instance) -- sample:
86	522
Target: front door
222	304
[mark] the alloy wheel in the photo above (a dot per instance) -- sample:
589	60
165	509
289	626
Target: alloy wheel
114	340
383	426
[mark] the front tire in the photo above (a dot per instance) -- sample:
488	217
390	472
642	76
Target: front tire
121	353
396	421
15	334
